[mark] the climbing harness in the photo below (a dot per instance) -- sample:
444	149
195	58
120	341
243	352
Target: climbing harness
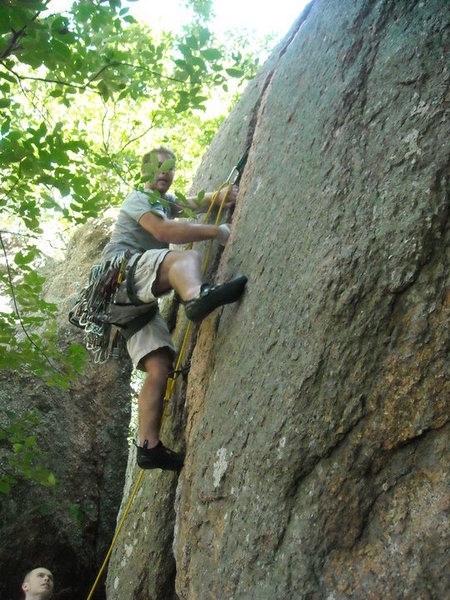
178	368
91	309
100	314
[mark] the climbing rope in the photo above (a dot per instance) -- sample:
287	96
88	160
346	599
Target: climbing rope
113	543
171	380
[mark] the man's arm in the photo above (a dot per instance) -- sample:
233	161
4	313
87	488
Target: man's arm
179	232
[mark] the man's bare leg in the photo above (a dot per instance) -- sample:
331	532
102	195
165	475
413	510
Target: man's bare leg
151	453
157	365
181	271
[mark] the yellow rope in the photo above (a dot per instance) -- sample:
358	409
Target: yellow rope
116	535
170	381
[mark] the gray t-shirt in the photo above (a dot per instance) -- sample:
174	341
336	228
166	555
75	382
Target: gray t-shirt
128	234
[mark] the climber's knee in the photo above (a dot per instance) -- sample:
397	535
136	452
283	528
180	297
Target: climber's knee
157	364
187	257
161	284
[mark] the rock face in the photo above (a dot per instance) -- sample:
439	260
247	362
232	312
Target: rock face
83	431
316	409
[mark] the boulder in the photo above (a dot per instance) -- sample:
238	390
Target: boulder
315	417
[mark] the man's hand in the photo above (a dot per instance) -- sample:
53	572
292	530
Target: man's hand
231	197
223	234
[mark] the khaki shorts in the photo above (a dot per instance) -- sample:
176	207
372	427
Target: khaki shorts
155	334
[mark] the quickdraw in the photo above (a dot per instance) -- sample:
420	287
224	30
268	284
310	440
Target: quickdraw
92	313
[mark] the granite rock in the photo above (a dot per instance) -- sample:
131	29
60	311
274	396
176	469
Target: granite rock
315	416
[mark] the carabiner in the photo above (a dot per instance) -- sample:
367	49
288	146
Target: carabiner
234	174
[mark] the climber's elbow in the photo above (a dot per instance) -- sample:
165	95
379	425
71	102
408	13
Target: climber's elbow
157	226
164	232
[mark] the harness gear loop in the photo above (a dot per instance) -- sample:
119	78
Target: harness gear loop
98	312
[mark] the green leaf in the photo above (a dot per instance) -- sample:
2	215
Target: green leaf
103	89
30	442
186	51
192	42
51	479
5	488
149	171
45	509
235	72
199	62
59	22
7	76
167	165
204	36
5	126
211	54
24	259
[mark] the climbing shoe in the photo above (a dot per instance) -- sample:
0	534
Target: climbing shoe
159	457
213	296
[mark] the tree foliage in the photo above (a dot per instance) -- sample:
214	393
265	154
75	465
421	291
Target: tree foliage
19	451
81	92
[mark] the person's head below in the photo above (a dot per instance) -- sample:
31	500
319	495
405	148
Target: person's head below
38	584
162	181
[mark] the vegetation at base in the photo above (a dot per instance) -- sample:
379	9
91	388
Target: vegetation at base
82	93
20	456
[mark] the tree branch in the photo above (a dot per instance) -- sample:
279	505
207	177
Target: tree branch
27	235
138	137
46	80
11	189
19	316
45	116
16	35
91	79
155	73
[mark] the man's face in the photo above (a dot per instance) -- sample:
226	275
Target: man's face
39	584
163	181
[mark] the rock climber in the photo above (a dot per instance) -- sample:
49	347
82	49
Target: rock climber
38	584
147	229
